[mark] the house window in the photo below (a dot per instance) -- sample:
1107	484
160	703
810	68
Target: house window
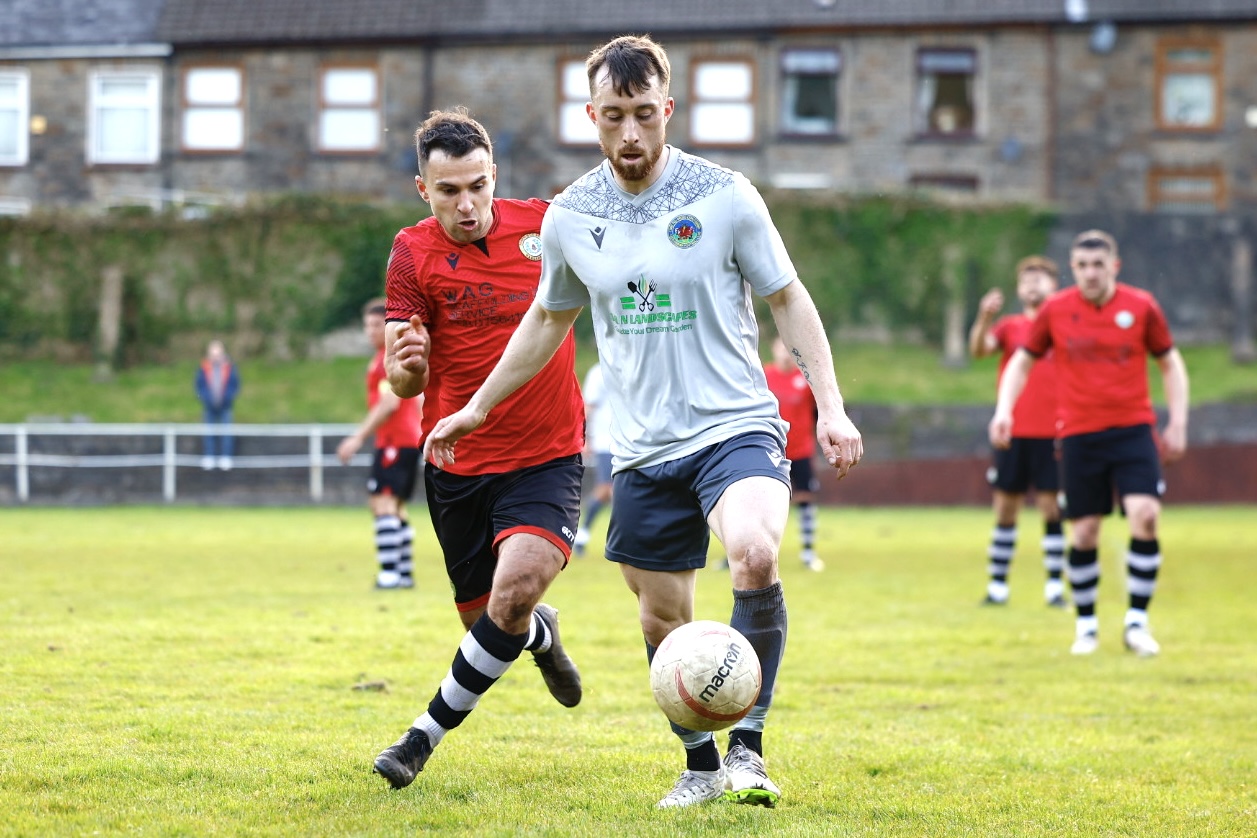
944	183
1192	189
15	105
213	109
723	109
1189	85
124	117
349	109
809	96
575	127
945	100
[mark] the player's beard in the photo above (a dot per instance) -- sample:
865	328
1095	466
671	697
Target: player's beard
634	171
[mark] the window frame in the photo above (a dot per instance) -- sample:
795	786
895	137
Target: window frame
22	106
698	103
151	102
1160	201
188	108
567	100
323	107
1167	67
922	124
792	132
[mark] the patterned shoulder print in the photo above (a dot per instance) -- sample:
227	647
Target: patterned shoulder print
594	195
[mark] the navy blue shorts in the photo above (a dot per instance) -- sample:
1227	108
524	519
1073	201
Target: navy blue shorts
1025	463
659	513
1116	461
803	476
394	472
471	514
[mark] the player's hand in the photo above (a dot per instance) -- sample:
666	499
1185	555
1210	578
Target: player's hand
841	443
347	448
1000	430
439	446
1173	442
991	303
411	347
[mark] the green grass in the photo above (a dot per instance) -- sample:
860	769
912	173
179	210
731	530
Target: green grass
176	671
331	391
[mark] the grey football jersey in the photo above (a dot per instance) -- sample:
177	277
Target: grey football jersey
668	276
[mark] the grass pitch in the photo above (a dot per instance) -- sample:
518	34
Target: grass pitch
178	671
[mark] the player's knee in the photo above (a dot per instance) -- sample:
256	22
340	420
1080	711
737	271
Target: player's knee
755	562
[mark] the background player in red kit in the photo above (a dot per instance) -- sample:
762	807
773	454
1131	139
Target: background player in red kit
1030	459
1102	332
505	515
394	423
798	407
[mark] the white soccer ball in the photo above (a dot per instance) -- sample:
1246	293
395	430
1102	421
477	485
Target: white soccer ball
705	675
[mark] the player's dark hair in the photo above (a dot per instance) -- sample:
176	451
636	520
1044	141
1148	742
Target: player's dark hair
378	305
452	131
1095	240
631	61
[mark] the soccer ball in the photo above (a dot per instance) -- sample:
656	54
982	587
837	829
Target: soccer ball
705	675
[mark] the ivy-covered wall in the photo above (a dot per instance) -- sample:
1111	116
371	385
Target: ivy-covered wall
270	278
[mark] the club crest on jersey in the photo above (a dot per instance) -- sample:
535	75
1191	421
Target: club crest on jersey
684	231
1124	319
530	246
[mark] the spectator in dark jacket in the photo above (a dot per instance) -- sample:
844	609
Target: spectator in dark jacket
217	384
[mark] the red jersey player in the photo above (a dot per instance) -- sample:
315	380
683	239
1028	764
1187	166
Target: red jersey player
394	422
505	514
798	408
1030	459
1102	333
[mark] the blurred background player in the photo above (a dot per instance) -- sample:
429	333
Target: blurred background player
394	423
798	408
598	452
699	446
1030	460
505	514
217	385
1102	333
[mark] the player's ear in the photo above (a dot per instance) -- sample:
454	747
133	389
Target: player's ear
423	190
668	107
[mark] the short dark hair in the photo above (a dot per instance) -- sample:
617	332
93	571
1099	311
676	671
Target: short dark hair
1095	240
377	305
631	60
454	132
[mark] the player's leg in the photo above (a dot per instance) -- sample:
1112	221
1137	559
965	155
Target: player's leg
384	506
598	499
1088	498
1140	486
1045	470
409	462
1004	506
803	488
659	538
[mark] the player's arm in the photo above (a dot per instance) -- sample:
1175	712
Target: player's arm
981	341
1174	379
531	347
1011	383
375	418
406	348
800	327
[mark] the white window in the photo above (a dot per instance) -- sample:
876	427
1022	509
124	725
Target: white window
809	96
15	106
575	127
213	112
124	116
945	97
349	109
723	109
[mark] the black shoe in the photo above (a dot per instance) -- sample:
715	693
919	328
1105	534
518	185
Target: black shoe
560	673
1058	601
402	761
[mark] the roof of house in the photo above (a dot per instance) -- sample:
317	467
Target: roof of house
233	21
62	23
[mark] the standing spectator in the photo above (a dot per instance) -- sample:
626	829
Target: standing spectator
458	284
1029	461
598	449
666	249
394	424
1102	333
217	385
798	409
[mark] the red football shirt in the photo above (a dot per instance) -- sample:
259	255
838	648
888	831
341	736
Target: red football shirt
402	429
798	407
471	297
1034	415
1102	356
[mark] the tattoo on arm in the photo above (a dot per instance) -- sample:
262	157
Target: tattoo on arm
801	364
